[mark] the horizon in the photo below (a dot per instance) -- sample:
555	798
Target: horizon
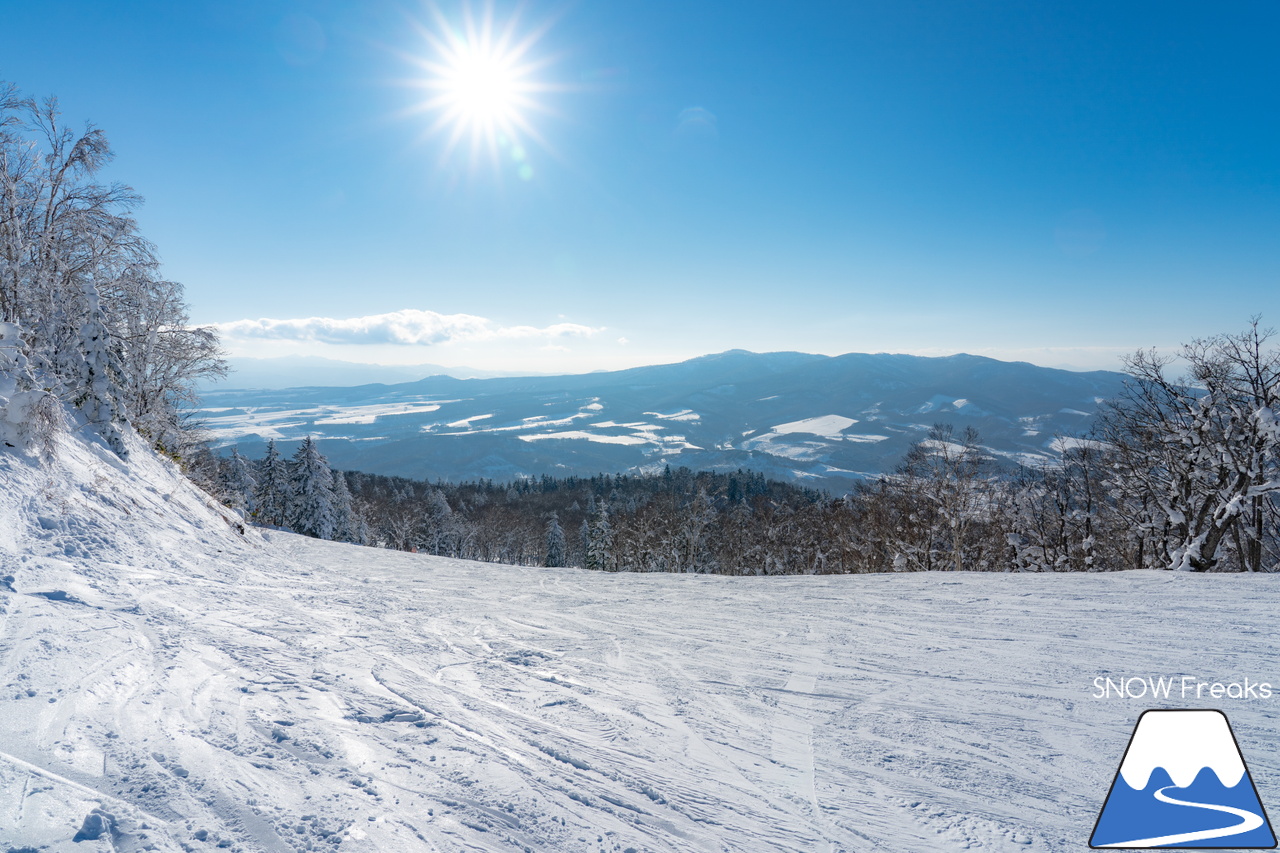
566	189
465	372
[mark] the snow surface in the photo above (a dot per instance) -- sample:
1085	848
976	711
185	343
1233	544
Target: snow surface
1063	443
268	692
682	415
229	423
830	426
588	436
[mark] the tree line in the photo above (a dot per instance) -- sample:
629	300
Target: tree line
1174	475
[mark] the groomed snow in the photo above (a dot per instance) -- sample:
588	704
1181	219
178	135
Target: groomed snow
276	693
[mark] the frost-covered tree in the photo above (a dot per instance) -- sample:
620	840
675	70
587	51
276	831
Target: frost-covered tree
555	543
1195	463
30	417
237	483
344	519
313	512
101	378
599	551
273	496
692	526
101	329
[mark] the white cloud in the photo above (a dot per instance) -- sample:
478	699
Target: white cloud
409	326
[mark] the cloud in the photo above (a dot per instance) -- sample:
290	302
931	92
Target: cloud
408	327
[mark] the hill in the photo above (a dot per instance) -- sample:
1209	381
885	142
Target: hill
209	688
824	420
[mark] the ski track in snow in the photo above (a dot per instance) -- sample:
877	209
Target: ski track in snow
283	694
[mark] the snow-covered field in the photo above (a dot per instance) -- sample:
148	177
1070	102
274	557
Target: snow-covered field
262	691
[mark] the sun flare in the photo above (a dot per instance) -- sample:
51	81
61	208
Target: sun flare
483	86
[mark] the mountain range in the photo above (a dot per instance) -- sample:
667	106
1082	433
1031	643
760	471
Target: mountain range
293	371
826	420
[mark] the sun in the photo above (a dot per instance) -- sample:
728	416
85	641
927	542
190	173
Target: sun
482	83
482	89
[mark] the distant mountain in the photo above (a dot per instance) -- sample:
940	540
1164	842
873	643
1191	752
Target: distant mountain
302	371
813	418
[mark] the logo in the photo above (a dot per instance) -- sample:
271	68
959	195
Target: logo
1183	784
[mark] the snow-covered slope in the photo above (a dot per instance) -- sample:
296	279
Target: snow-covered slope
268	692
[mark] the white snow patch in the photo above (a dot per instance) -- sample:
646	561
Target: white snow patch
1063	443
934	403
588	436
225	424
466	422
682	415
829	426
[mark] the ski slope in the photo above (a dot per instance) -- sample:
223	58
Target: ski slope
264	692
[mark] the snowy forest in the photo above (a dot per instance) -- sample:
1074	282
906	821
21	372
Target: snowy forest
1174	475
1177	473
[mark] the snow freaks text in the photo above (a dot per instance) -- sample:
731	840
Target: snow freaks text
1177	687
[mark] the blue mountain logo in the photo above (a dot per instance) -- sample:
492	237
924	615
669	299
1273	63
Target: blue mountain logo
1183	784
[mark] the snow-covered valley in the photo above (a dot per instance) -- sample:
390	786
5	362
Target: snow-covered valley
251	691
823	421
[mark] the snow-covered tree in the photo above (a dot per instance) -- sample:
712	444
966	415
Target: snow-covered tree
237	482
345	525
101	329
273	497
30	417
555	543
599	554
1195	463
313	511
100	375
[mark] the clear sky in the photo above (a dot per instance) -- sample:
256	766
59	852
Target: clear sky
1052	182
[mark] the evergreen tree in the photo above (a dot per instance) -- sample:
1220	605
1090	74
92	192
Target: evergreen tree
274	495
313	512
600	540
236	482
555	543
344	520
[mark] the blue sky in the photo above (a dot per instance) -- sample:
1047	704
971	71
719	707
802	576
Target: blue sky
1057	183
